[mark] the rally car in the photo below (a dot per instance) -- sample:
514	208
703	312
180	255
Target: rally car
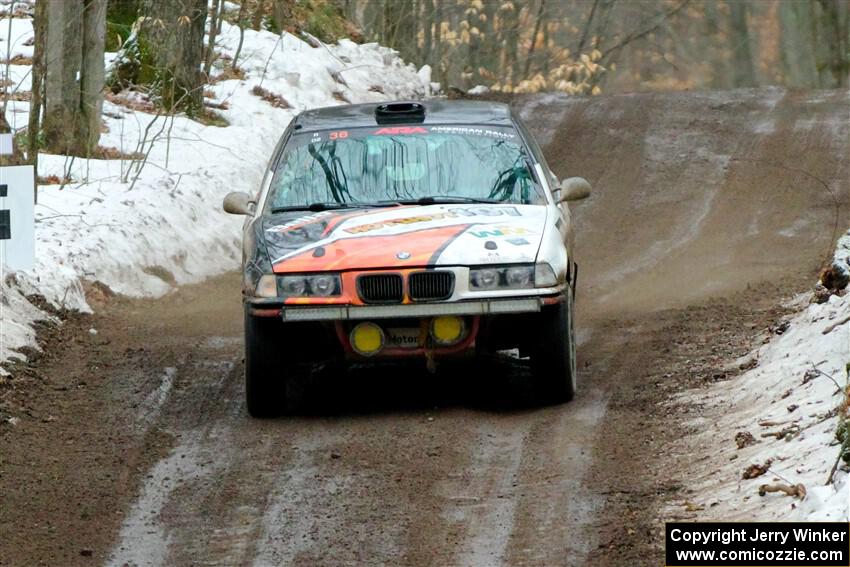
419	230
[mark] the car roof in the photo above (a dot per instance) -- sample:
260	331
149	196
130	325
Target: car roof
436	112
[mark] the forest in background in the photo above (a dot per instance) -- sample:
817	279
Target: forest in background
583	46
164	50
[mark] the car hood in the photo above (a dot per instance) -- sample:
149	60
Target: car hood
404	236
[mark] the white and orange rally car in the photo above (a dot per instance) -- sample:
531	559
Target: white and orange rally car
406	229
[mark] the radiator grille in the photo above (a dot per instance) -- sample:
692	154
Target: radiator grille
431	286
380	288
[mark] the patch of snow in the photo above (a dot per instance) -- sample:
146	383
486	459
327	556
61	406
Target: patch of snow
796	387
141	238
478	90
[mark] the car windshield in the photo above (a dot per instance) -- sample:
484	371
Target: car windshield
404	164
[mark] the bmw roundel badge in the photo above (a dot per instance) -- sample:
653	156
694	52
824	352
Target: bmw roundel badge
403	255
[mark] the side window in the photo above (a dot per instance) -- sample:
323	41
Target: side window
535	149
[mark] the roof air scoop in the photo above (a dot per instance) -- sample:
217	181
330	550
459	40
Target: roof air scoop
399	113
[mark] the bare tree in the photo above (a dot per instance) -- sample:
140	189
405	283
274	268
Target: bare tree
74	75
175	29
37	89
215	25
744	72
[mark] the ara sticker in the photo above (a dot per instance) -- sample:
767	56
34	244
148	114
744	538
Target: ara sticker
401	130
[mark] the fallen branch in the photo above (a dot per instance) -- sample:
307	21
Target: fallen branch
216	105
785	433
833	469
796	491
835	325
768	423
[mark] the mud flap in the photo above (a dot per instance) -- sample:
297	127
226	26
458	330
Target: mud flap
574	279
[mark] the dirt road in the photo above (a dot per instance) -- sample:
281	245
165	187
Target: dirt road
132	445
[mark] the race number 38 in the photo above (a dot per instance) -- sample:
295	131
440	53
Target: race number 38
339	135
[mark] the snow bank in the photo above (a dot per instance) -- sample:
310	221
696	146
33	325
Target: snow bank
793	393
167	228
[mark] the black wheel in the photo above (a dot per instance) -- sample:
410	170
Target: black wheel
553	361
265	377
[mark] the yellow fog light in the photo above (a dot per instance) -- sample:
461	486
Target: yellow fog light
447	330
367	339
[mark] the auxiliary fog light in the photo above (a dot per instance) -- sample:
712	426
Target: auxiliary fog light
447	329
367	339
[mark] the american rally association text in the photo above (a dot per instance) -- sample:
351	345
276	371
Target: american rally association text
726	537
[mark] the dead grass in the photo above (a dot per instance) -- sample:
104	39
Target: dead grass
273	99
20	96
105	152
18	60
340	96
212	118
139	104
228	74
53	180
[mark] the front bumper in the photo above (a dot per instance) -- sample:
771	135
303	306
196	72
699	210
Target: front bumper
298	313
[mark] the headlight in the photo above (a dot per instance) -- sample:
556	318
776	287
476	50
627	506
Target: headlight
519	277
324	285
507	277
319	285
266	286
484	279
544	275
292	286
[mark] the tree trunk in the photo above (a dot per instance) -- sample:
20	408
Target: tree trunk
796	41
281	14
438	75
257	16
743	70
240	21
74	75
540	8
834	22
38	62
427	23
214	25
93	72
174	29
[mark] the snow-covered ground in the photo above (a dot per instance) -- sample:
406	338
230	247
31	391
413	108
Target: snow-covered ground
167	227
790	402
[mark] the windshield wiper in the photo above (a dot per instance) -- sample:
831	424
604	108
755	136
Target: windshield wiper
317	207
444	200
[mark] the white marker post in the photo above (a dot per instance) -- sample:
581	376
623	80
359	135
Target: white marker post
17	222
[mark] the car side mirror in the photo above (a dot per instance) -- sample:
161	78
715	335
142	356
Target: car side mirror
238	203
574	189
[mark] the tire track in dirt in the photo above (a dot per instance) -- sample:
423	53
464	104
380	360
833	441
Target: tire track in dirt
150	466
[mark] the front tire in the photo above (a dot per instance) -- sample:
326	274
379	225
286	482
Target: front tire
553	358
265	381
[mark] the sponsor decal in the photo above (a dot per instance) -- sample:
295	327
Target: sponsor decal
401	130
299	222
495	231
473	132
453	213
518	241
